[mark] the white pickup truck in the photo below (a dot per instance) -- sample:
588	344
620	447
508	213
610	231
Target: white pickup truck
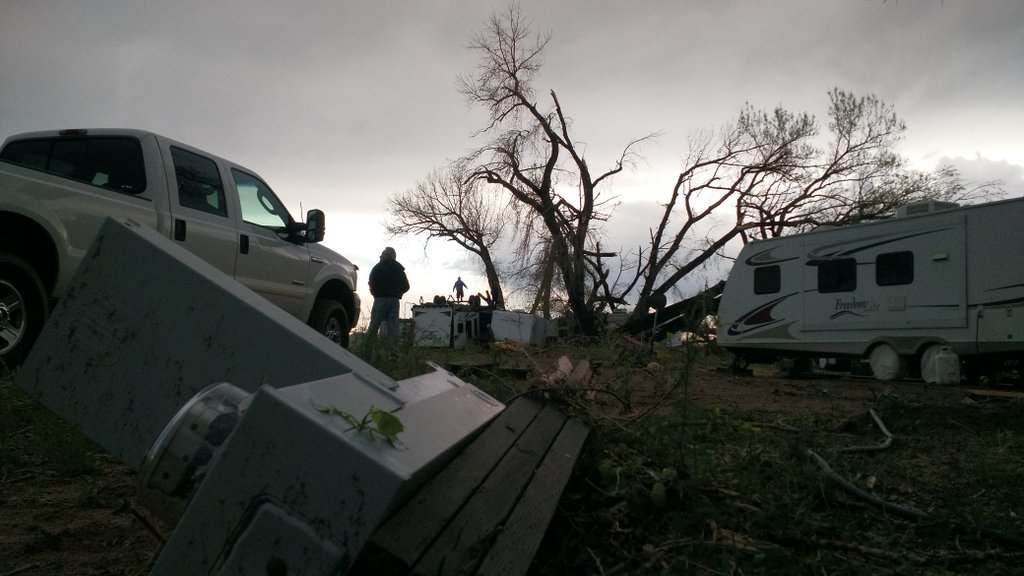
57	188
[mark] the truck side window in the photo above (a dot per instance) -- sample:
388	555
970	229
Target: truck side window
767	279
259	204
114	163
199	183
894	268
837	275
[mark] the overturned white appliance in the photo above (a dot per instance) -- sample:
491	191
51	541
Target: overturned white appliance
281	450
521	327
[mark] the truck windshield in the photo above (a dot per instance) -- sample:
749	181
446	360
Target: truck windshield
259	204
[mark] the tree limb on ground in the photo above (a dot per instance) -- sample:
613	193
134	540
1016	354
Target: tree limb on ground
791	538
774	425
20	570
901	511
906	511
876	447
569	381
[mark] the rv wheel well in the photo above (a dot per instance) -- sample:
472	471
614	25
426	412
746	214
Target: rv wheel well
901	350
925	344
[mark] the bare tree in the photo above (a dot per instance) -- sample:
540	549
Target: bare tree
533	154
450	206
768	170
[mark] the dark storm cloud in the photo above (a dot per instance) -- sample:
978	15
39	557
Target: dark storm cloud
339	104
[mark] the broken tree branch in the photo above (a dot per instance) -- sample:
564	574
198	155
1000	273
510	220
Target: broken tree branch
902	511
876	447
897	509
793	538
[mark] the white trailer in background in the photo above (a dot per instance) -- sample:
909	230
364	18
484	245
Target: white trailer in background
445	326
456	325
934	281
521	327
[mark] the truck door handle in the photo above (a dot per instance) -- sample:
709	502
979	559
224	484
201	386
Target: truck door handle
179	230
243	244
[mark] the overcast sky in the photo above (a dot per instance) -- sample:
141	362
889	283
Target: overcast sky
339	104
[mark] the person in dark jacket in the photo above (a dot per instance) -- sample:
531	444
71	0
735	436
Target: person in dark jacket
388	283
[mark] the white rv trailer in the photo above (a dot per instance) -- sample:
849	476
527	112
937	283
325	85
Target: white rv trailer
895	292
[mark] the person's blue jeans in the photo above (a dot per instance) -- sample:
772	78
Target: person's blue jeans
385	311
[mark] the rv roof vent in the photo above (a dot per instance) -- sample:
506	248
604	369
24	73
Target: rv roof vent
924	208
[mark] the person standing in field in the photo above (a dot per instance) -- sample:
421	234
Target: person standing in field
388	283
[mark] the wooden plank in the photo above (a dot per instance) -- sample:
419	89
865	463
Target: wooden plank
516	545
995	393
463	543
410	531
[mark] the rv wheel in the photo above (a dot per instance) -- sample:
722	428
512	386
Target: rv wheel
885	363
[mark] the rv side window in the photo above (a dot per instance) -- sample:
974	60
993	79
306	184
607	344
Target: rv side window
837	275
894	268
767	279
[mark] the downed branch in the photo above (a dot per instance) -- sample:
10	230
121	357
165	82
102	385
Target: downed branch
655	555
568	382
777	425
793	538
976	555
902	511
876	447
20	570
143	517
906	511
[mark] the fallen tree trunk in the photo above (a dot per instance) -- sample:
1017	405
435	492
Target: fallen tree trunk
683	316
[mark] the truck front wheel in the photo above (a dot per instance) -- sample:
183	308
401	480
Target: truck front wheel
23	309
330	319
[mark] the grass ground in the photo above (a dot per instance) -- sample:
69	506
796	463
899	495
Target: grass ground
688	470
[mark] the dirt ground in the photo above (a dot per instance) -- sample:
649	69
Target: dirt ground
771	392
53	524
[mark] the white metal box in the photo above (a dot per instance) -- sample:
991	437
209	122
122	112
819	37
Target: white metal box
519	327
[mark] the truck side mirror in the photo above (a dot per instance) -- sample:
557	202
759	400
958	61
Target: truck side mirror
315	226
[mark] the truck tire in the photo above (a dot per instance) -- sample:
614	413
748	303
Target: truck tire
330	319
23	309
